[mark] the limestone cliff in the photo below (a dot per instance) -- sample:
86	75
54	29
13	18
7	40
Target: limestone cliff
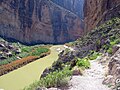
40	21
75	6
98	11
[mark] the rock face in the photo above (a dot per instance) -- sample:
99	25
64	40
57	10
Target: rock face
41	21
114	69
114	65
75	6
98	11
7	50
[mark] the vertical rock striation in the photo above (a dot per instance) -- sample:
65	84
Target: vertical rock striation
41	21
75	6
98	11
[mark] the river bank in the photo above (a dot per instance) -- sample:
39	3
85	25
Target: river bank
27	74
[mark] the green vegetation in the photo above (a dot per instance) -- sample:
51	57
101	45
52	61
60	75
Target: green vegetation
97	38
16	55
84	63
58	64
25	52
93	55
26	49
101	39
34	50
38	51
29	73
9	60
108	47
54	79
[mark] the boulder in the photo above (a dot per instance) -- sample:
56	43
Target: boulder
17	51
3	57
77	71
46	72
108	79
2	45
10	47
7	49
115	48
9	54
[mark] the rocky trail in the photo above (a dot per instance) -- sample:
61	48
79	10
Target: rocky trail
91	80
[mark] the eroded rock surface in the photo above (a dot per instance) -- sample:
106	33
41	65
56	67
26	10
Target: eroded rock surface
113	77
98	11
7	50
41	21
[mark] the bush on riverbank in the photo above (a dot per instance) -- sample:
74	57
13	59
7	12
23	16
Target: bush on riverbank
54	79
29	54
4	69
19	51
39	51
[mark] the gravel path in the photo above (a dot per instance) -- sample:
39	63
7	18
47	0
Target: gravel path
92	80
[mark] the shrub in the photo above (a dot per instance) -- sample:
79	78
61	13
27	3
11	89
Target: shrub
38	51
83	63
54	79
116	41
24	54
63	82
28	55
26	49
16	64
78	70
9	60
58	64
109	50
93	55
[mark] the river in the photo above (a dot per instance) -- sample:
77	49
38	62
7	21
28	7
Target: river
22	77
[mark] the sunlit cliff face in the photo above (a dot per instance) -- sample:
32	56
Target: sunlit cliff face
97	12
75	6
41	21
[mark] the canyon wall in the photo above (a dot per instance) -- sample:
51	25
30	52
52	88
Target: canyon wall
75	6
41	21
98	11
